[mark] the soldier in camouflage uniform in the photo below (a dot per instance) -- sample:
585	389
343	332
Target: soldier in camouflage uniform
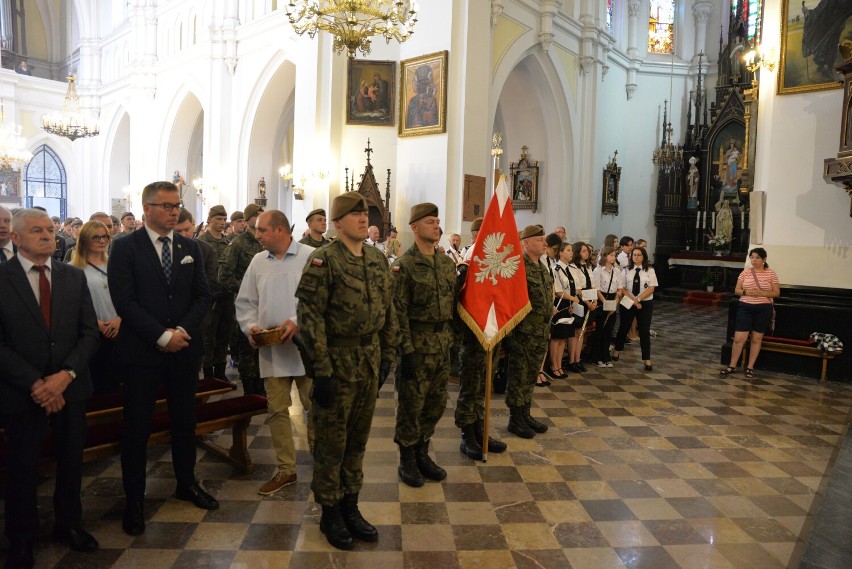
221	320
317	226
530	337
424	297
238	255
348	323
238	225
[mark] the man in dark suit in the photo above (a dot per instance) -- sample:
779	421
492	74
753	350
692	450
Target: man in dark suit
48	334
158	287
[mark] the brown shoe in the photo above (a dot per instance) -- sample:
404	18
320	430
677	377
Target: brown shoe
277	482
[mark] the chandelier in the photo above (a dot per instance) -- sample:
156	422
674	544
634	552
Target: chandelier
70	123
667	156
354	22
13	152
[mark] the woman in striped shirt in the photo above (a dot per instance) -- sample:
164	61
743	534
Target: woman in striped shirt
757	287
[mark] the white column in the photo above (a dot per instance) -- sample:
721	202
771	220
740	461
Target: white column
701	12
633	45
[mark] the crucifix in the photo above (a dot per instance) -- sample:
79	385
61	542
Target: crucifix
368	150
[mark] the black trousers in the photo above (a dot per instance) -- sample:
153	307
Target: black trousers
643	317
25	434
140	396
605	322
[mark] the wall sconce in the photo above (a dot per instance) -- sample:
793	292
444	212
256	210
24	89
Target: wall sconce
761	57
127	191
286	174
198	184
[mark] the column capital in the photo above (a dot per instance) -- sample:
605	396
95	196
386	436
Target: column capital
633	8
701	10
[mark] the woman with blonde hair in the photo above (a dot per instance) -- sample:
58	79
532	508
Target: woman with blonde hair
579	268
393	249
91	256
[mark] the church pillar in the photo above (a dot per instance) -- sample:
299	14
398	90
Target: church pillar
701	12
633	45
143	55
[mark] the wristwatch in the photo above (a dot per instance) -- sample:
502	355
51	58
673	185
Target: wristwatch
71	372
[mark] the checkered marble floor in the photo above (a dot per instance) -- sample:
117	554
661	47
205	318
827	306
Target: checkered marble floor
675	468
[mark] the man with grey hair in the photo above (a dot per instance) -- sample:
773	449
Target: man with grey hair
373	236
44	381
7	249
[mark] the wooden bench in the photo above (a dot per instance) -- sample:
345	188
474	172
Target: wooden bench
105	423
796	347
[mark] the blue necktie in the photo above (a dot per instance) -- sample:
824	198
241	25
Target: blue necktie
167	258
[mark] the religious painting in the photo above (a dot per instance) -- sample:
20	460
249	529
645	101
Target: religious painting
728	159
811	30
611	179
10	185
423	95
524	177
370	92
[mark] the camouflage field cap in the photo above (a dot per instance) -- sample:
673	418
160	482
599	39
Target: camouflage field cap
422	210
532	231
347	203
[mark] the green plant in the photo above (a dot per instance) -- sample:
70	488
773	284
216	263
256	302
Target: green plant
708	280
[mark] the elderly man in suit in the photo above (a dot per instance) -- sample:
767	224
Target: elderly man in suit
158	287
48	334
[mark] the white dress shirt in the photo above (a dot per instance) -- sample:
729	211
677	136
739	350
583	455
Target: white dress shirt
8	250
33	276
166	337
266	299
607	281
646	279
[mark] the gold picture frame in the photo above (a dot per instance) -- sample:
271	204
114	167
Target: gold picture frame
423	95
524	177
798	73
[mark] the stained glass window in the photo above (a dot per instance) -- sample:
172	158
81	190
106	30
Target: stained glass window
45	182
609	15
752	14
661	26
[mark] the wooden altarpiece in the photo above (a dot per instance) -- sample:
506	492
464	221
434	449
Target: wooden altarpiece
379	209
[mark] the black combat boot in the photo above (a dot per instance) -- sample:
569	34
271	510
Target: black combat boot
253	386
334	528
427	466
408	471
494	445
518	424
208	372
219	373
469	445
356	524
536	426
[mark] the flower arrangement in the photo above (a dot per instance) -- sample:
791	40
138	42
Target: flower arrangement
719	242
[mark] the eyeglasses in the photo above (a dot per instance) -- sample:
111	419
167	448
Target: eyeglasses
99	238
168	206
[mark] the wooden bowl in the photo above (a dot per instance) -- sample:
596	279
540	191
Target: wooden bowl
271	337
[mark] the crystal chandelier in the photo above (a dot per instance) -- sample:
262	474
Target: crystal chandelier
354	22
70	123
667	156
13	151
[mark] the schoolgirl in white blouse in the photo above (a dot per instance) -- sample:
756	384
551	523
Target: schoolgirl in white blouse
607	280
640	281
581	270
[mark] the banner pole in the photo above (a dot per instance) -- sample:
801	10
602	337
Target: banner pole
487	417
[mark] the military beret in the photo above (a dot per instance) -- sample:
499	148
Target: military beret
347	203
422	210
532	231
252	210
477	223
217	210
318	211
126	214
552	240
237	215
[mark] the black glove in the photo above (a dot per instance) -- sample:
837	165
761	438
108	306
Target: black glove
323	392
408	367
462	275
384	371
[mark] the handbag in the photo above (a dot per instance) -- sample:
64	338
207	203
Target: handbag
771	301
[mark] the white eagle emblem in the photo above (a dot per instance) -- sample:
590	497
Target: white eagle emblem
496	264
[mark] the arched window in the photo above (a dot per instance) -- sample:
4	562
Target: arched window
752	13
45	183
661	26
609	15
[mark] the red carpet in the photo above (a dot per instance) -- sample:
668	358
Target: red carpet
702	298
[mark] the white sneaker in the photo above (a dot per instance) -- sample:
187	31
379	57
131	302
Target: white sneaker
608	364
601	364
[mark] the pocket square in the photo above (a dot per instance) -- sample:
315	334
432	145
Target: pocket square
187	260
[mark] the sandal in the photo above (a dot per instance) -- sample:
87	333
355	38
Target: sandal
540	383
728	371
749	373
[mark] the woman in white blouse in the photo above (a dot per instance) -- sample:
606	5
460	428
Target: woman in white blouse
640	281
580	270
607	280
91	256
565	293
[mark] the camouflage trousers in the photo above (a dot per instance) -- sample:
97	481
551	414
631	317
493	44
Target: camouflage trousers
249	359
470	406
525	359
422	399
341	437
220	321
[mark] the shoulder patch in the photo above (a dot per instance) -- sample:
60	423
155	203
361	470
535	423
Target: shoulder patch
395	268
317	262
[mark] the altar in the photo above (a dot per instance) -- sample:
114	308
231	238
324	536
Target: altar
698	269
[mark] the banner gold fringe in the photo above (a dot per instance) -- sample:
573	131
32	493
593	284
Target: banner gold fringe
501	333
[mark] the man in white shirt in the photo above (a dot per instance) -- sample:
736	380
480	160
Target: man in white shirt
6	249
623	257
373	236
267	300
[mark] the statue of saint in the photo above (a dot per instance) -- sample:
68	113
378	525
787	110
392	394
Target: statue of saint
692	179
178	181
261	188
